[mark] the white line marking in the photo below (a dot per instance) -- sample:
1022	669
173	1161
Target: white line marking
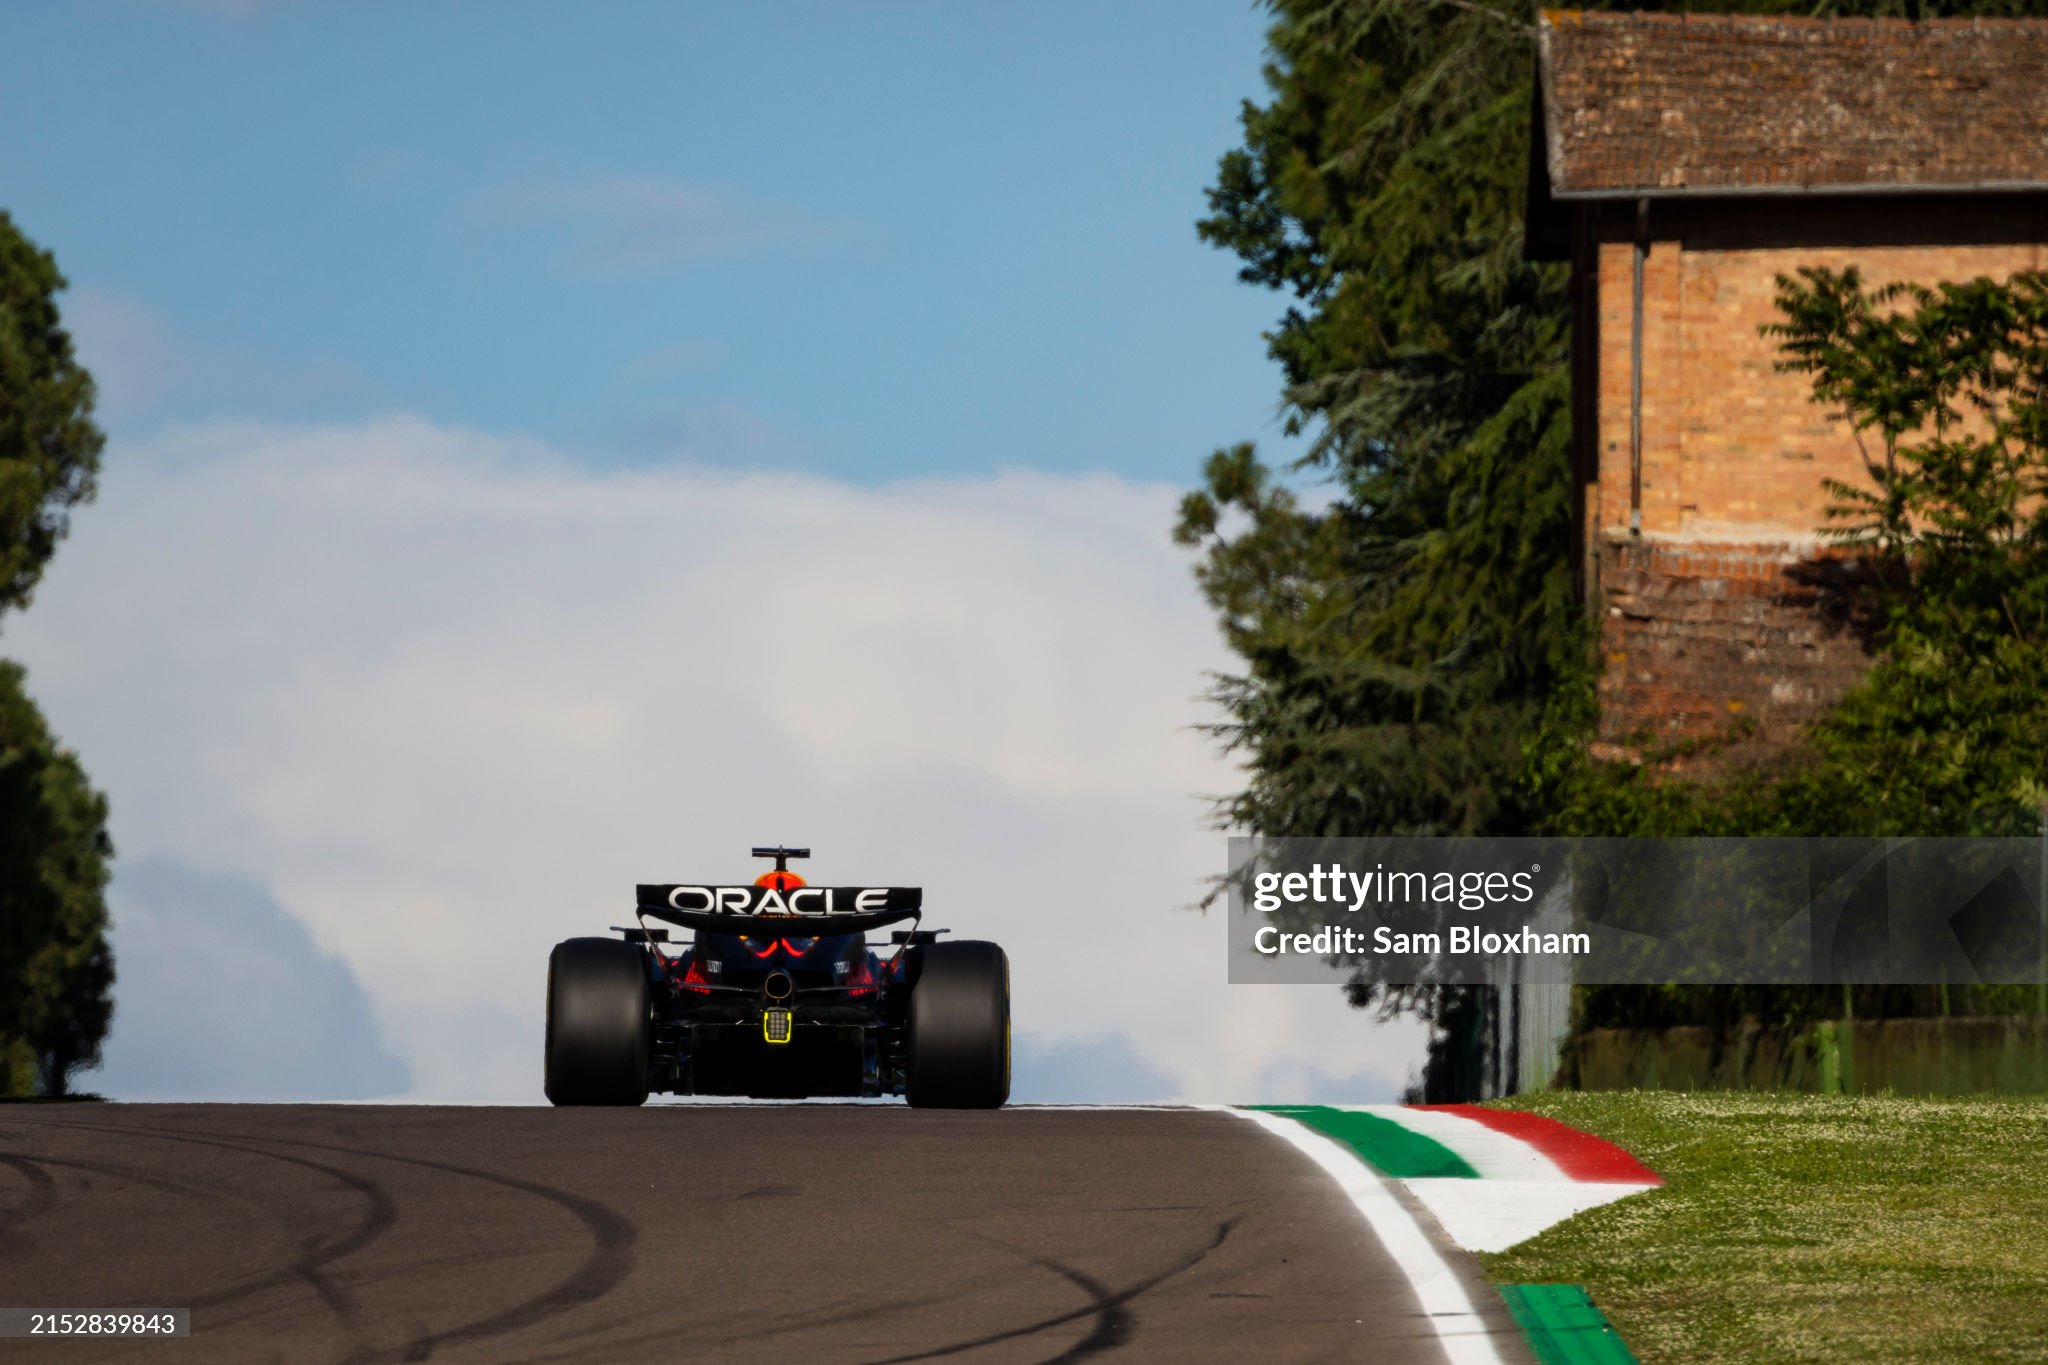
892	1102
1464	1335
1493	1215
1114	1108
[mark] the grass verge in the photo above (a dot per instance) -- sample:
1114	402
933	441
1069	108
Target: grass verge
1811	1228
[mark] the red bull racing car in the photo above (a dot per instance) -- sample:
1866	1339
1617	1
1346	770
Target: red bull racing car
778	995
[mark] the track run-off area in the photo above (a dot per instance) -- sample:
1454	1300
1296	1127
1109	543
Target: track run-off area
822	1233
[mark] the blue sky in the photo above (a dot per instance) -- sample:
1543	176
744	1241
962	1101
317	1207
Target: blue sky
871	241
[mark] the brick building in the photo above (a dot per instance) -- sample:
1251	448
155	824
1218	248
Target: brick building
1681	163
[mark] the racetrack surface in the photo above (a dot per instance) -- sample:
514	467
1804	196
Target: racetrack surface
818	1233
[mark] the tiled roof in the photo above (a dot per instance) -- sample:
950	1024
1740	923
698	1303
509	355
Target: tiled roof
1657	104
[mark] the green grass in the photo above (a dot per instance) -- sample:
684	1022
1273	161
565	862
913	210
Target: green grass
1811	1228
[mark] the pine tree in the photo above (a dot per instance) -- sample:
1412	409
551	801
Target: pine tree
56	970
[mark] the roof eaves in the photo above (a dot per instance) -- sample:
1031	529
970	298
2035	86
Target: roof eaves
1766	191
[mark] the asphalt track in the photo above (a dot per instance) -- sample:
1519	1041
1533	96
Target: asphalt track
811	1233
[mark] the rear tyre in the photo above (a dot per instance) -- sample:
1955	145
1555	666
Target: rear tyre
959	1028
597	1023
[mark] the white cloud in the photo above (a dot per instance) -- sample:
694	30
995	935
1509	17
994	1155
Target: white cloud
636	223
449	695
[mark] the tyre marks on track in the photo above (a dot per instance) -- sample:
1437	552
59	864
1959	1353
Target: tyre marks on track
603	1269
42	1193
857	1235
316	1250
607	1263
1115	1323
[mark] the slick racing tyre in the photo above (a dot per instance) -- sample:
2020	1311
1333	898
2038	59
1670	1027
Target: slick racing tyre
959	1033
597	1023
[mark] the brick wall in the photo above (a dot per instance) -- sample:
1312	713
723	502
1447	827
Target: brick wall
1726	612
1746	643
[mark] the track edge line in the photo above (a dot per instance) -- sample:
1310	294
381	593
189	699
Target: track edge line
1464	1333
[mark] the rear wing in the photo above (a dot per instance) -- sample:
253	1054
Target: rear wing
763	910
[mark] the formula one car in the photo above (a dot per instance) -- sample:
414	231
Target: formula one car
778	996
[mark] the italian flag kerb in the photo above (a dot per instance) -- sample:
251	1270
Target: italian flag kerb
1491	1177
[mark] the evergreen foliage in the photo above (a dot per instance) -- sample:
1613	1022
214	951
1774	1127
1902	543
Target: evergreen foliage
56	971
1399	643
49	444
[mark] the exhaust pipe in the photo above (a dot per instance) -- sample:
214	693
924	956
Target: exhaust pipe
778	987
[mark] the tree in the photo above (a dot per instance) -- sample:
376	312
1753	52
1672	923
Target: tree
1397	643
49	444
1949	734
1400	644
56	970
